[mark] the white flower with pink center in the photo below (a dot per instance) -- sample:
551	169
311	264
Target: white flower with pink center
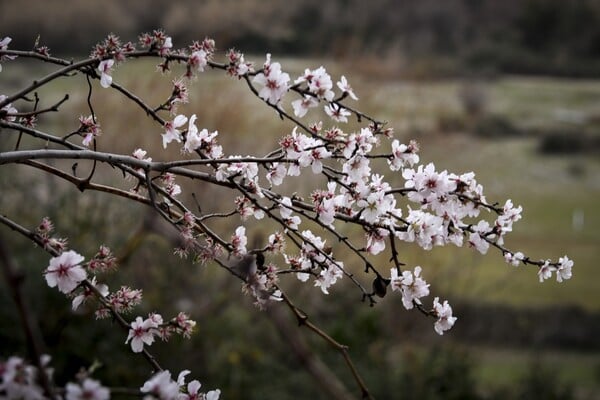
276	174
545	271
514	259
346	88
301	106
329	277
563	271
239	241
403	155
274	82
337	113
198	60
412	286
65	272
105	68
162	386
445	319
477	239
171	131
141	332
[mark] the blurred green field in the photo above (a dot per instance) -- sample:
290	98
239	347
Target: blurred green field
559	193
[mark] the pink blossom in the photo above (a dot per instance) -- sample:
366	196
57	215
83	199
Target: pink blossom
477	238
337	113
424	228
312	249
161	385
329	276
193	391
65	271
514	259
429	185
375	205
237	64
105	68
346	88
246	208
141	155
274	82
319	83
18	380
445	319
88	390
9	109
545	271
403	155
198	60
87	292
239	241
276	174
376	241
411	285
171	131
326	211
165	46
89	128
357	168
285	210
563	271
276	242
4	46
141	332
213	394
301	106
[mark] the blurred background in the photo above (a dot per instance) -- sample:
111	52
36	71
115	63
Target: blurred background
509	89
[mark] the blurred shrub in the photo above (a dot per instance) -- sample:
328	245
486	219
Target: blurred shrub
441	373
541	382
473	98
495	126
569	142
451	122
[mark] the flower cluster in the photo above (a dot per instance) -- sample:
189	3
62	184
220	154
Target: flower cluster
443	312
143	331
19	380
88	389
89	129
411	285
305	151
316	259
122	300
238	66
162	387
273	82
427	207
562	269
44	231
262	285
111	47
